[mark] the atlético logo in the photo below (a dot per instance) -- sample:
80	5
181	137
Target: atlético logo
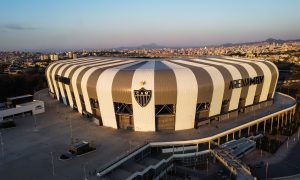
142	96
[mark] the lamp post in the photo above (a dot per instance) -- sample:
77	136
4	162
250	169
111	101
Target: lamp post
298	132
71	130
35	123
52	162
84	171
207	166
2	145
267	166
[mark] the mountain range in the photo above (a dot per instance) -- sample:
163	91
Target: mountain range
156	46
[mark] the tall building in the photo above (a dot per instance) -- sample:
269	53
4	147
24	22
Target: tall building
44	57
72	55
53	57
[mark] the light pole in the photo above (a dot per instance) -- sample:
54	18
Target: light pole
298	132
84	171
2	145
35	124
71	130
267	166
207	166
52	162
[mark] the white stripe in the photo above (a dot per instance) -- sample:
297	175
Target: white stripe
272	64
104	94
144	117
53	78
218	84
75	77
60	84
251	72
50	69
187	93
63	68
277	75
68	90
87	75
234	72
60	66
49	76
267	78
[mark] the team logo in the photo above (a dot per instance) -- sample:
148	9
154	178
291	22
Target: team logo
142	96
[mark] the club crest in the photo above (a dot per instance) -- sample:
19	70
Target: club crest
142	96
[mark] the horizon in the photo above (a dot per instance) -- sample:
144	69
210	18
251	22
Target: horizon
55	25
142	46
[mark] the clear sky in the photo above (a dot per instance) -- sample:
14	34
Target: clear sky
94	24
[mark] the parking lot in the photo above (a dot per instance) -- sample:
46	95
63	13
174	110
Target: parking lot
27	148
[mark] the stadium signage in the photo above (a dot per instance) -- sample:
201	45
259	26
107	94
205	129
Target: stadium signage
246	82
142	96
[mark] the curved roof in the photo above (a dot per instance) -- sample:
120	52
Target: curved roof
205	79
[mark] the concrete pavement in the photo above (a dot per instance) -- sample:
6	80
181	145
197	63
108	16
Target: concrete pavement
27	152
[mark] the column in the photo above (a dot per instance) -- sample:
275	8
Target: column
240	133
257	126
278	121
233	135
249	130
271	124
227	138
293	116
282	119
218	141
209	145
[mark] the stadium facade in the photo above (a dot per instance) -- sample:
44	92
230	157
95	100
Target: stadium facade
154	95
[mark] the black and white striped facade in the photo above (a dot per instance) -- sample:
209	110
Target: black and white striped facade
152	95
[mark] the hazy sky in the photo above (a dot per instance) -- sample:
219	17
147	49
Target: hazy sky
55	24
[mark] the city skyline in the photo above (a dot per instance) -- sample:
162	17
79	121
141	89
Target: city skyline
103	24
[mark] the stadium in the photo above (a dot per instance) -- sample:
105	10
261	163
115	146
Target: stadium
162	94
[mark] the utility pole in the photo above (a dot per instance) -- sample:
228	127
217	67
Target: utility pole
35	123
52	162
267	166
298	132
2	145
84	171
71	130
207	166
